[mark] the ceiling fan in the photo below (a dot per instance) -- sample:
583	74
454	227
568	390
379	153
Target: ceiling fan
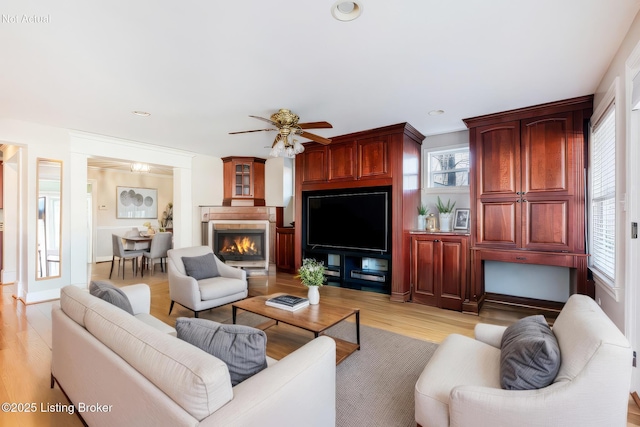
287	125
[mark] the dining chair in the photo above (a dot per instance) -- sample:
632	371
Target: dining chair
118	251
160	244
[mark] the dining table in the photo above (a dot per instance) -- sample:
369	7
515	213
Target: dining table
137	243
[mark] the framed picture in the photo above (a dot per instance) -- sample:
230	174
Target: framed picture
461	219
135	202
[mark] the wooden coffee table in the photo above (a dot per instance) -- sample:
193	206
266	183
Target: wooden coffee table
314	318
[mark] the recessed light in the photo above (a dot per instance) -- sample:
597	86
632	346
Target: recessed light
436	112
346	10
141	113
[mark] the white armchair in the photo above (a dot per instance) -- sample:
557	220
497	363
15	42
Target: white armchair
203	294
461	384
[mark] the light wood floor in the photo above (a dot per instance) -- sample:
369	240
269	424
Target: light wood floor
25	337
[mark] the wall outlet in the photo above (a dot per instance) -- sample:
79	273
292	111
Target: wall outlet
102	207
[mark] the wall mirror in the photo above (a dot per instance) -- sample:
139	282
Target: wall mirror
49	218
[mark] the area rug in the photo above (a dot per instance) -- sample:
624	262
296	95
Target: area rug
375	385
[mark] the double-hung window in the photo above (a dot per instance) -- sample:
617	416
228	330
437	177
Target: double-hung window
602	216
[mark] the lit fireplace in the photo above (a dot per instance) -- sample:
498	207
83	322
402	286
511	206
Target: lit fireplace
240	244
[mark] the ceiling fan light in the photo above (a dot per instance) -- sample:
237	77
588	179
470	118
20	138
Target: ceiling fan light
298	148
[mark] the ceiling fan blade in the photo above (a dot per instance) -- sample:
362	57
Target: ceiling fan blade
275	141
249	131
266	120
317	138
315	125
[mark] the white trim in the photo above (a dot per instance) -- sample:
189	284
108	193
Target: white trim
608	98
632	267
605	284
612	96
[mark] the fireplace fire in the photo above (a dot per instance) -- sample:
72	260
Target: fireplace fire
239	245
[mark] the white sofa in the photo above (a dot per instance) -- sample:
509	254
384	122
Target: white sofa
144	376
460	385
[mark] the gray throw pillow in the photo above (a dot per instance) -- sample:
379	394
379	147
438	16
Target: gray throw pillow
242	348
529	355
105	290
201	267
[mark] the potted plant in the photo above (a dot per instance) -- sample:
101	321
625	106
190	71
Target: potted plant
446	214
311	274
167	217
422	216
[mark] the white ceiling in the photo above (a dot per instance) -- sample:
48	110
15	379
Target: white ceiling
200	68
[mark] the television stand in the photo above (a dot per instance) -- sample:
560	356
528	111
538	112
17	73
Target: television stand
366	272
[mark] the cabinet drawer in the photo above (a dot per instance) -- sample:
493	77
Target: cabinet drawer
524	257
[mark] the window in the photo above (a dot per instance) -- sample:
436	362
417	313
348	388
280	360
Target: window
603	196
448	168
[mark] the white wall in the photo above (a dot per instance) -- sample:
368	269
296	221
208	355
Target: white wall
624	310
430	195
279	185
73	148
208	189
106	220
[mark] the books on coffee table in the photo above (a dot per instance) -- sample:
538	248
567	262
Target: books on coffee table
287	302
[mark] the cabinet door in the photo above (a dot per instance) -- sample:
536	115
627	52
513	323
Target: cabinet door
285	249
497	155
546	153
425	270
243	182
314	164
546	224
498	222
454	272
373	158
497	178
342	161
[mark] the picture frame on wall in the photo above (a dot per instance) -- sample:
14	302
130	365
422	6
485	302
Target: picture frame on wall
461	219
135	202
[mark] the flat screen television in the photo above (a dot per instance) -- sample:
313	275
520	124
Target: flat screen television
353	220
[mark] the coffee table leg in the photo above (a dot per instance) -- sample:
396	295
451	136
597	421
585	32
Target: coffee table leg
358	328
234	310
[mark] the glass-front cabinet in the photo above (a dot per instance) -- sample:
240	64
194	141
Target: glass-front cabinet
243	181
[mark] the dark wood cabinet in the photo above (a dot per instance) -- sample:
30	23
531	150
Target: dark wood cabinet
439	269
313	164
372	158
342	161
285	252
527	185
244	181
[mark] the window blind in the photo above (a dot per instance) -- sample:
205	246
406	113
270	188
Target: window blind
603	194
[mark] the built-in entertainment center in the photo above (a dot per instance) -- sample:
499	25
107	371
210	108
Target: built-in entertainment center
350	231
354	199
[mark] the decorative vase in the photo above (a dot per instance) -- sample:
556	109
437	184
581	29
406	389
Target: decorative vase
445	221
313	295
422	222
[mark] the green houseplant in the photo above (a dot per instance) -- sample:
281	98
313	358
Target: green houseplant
422	216
446	214
442	208
311	274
